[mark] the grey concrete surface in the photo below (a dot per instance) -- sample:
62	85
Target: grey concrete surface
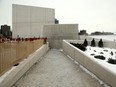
28	21
10	77
56	70
102	72
58	32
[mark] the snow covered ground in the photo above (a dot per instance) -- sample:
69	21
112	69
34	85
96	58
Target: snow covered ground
106	52
106	37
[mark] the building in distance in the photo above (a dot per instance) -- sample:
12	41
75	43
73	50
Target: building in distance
5	31
83	32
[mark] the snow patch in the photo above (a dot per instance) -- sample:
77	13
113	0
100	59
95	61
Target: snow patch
106	52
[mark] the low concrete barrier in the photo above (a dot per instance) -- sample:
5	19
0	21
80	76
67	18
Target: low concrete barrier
109	44
100	71
24	66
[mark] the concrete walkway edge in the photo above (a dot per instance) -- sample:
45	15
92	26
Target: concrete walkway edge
24	66
56	70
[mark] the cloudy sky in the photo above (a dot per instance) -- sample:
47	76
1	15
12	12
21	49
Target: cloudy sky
91	15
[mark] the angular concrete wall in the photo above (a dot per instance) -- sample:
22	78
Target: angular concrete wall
99	70
109	44
28	21
57	32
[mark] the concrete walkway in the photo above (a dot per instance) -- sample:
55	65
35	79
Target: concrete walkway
56	70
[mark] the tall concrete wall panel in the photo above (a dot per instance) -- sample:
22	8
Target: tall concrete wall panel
28	21
57	32
23	29
61	30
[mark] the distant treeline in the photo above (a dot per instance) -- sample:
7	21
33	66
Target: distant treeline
102	33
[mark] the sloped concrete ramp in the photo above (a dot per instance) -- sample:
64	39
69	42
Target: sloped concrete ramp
56	70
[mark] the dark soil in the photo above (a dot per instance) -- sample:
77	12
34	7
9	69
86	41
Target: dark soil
100	57
92	54
80	46
112	61
101	53
105	50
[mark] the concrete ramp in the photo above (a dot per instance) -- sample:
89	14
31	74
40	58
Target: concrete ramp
56	70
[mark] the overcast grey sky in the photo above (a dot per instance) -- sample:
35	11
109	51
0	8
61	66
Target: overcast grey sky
91	15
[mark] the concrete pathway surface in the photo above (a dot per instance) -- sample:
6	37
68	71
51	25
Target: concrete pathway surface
56	70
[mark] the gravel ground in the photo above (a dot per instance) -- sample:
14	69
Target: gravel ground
56	70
